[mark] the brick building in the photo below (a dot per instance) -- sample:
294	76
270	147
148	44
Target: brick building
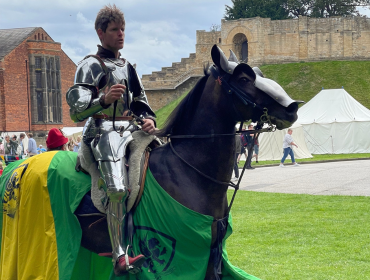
263	41
35	74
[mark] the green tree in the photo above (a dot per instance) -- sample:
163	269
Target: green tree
282	9
256	8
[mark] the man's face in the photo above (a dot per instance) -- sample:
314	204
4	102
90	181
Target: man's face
290	132
114	37
7	138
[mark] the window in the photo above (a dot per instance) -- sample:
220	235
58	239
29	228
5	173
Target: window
38	62
57	79
48	80
40	113
47	89
38	79
57	63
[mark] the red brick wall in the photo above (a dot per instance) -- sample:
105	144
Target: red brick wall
2	104
15	89
13	92
68	70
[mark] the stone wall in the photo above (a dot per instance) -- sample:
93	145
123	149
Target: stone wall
265	41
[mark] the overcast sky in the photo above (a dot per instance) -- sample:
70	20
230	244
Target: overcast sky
157	32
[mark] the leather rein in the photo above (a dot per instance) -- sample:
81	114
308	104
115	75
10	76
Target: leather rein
246	100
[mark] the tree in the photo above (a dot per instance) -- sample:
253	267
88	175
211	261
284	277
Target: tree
282	9
256	8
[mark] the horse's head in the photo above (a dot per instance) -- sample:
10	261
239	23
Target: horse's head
250	89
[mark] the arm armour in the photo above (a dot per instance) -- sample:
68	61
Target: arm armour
83	97
139	103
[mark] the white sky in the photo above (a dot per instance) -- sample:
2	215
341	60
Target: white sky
157	32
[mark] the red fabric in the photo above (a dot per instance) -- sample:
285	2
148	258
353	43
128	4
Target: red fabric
1	172
55	138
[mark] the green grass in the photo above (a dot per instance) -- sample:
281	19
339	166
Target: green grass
302	81
164	112
315	158
288	236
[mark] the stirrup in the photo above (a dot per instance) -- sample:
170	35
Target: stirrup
130	268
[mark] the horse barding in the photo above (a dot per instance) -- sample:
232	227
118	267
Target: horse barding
183	218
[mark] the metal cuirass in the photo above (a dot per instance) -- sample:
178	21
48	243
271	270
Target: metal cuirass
116	74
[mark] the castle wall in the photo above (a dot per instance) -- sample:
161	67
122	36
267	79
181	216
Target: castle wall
269	42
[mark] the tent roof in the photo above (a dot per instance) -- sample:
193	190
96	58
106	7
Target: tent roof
69	131
332	105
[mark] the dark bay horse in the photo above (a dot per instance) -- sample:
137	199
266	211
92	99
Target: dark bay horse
202	128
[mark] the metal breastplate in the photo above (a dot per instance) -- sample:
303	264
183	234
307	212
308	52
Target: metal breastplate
117	74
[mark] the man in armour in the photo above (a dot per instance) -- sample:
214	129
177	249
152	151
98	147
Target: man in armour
103	94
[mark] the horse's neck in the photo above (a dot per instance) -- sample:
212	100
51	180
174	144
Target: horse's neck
214	155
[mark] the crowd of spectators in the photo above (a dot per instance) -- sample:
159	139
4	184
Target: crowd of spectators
12	148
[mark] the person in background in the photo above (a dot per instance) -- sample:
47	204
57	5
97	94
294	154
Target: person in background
77	144
248	143
40	149
70	144
21	137
56	141
2	151
32	147
10	146
1	168
288	144
256	148
238	148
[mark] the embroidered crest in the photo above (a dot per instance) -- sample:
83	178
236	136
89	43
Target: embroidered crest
12	191
159	250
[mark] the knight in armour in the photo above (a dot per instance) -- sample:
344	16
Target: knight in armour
107	92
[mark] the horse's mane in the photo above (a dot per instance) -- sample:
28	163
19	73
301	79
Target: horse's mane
185	110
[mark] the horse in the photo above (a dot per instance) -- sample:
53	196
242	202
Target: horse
202	144
195	167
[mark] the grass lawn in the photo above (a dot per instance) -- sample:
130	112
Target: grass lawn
315	158
288	236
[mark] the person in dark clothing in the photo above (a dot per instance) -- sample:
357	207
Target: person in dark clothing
238	147
248	143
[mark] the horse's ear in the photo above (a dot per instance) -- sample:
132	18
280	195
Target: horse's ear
233	57
245	68
220	60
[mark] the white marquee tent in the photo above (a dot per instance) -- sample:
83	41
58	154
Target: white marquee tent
271	144
72	131
335	123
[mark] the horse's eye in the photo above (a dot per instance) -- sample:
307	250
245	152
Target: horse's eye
244	80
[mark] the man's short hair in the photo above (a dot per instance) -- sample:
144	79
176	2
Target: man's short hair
14	137
30	135
289	129
22	135
108	14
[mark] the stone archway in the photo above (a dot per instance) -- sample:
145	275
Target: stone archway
240	46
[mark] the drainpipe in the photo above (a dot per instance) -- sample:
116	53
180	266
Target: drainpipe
28	98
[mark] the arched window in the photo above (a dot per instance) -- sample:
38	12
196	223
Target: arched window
240	47
35	37
38	36
42	36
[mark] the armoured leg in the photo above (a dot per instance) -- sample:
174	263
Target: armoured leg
115	177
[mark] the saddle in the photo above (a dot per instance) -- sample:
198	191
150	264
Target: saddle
138	153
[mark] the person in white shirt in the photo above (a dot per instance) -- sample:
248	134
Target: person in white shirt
288	144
